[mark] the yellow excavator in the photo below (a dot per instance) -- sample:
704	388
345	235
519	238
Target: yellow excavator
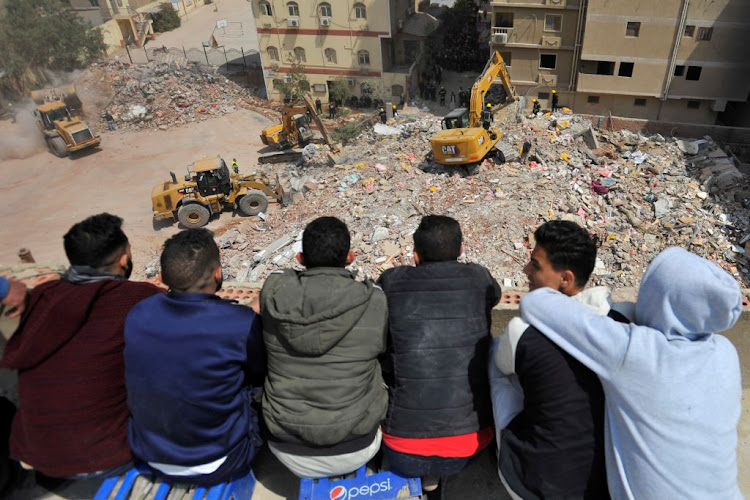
464	140
58	115
294	132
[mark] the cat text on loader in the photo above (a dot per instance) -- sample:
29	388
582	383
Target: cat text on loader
209	188
294	132
58	115
464	140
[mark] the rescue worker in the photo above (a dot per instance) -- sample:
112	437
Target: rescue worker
394	109
525	149
383	116
537	107
332	109
442	95
318	106
554	101
110	120
487	117
235	167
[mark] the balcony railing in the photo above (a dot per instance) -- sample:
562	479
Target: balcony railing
501	35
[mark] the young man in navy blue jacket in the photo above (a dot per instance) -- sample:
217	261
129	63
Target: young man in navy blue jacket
192	361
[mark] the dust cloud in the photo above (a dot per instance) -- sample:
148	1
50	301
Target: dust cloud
21	139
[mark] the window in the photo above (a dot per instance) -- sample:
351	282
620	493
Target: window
598	67
547	61
626	69
360	11
553	22
299	54
679	70
331	56
507	57
265	8
319	87
397	91
633	29
325	10
593	99
363	57
704	34
278	83
293	9
542	95
504	20
639	102
693	104
689	30
693	73
273	53
94	3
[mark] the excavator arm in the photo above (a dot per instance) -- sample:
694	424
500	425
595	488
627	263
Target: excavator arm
495	67
323	131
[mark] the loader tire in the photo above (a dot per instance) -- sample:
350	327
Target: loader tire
57	147
193	215
253	203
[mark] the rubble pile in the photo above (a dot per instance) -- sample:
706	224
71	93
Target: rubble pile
162	95
638	194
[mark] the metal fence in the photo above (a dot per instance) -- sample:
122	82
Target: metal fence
232	59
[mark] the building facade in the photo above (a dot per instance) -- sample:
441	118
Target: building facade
667	60
368	43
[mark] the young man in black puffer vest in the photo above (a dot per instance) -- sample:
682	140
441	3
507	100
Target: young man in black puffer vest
440	413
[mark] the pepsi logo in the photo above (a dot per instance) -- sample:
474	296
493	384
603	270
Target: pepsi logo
338	493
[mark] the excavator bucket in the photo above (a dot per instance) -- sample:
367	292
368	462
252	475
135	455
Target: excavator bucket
67	94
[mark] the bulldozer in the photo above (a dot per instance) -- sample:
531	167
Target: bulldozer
294	132
463	140
59	117
209	188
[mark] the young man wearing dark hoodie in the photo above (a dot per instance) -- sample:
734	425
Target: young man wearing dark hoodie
440	412
72	418
671	383
324	397
193	362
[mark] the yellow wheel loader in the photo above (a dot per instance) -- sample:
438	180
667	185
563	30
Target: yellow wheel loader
209	188
467	137
59	117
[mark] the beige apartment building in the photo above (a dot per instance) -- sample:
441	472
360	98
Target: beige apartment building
373	42
668	60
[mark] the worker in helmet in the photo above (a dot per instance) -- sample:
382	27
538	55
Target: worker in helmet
555	104
235	167
487	117
382	114
537	107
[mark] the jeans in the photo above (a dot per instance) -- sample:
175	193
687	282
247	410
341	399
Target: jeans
418	466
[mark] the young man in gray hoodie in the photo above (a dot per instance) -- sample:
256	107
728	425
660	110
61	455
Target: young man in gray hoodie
671	383
324	396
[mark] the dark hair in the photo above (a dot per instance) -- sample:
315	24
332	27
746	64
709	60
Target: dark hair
438	239
97	241
325	243
568	247
188	259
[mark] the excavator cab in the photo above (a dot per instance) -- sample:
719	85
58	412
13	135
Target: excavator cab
302	124
458	118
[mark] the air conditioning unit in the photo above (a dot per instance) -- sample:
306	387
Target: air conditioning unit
500	38
287	79
293	22
351	82
325	21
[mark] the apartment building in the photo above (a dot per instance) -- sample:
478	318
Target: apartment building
668	60
372	42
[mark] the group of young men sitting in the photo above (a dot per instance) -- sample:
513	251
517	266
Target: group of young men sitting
585	398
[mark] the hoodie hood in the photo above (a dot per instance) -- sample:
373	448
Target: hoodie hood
687	297
313	315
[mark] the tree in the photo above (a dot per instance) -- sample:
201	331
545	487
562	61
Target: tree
166	19
44	34
339	90
298	85
454	45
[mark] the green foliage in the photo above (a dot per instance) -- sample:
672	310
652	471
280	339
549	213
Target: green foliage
454	46
166	19
299	84
44	34
339	90
348	131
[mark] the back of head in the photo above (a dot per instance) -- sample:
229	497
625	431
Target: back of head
568	247
683	295
97	241
325	243
189	259
438	239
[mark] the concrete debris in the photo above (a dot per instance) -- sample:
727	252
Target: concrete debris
382	129
638	193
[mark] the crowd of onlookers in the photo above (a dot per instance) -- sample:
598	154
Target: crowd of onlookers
579	397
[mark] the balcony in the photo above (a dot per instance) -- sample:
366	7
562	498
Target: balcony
501	36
